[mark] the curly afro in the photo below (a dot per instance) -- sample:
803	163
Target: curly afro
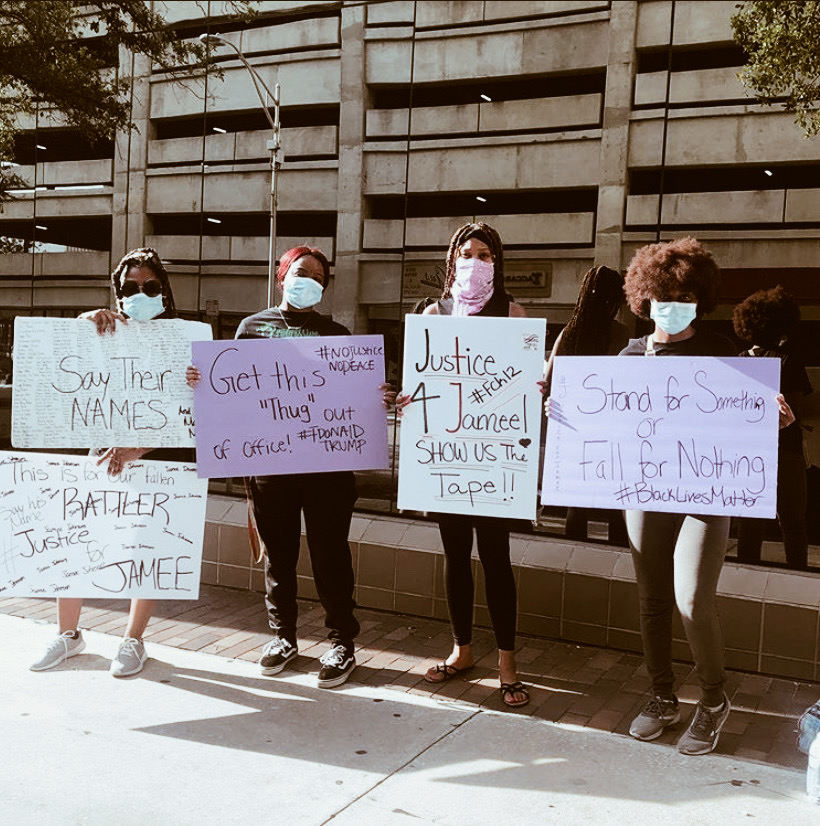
659	271
765	317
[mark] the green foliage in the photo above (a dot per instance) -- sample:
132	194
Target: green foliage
61	54
782	40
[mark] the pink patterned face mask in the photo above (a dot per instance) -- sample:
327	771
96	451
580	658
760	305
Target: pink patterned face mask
473	285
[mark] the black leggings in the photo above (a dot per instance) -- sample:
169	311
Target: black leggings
327	500
493	536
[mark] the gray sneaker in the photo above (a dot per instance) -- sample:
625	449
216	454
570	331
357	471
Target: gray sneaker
59	650
656	715
702	735
130	658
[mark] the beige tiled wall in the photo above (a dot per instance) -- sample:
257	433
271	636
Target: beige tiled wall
566	590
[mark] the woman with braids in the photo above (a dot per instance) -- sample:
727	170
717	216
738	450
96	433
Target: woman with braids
143	292
765	321
474	286
593	331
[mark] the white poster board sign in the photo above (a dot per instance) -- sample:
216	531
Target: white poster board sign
470	436
76	388
70	529
682	435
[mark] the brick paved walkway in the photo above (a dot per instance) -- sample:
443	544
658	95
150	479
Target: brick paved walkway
585	686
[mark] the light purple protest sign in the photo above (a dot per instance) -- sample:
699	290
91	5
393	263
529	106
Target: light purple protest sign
693	435
290	405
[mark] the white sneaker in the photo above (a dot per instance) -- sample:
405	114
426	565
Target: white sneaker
59	650
130	658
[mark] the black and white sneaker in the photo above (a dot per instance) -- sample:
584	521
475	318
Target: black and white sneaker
337	663
276	655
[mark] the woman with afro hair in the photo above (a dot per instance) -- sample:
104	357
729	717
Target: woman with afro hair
678	557
765	321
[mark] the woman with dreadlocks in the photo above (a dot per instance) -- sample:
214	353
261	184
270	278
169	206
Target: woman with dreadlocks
474	286
143	292
593	331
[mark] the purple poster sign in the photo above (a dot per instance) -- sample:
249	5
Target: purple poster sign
291	405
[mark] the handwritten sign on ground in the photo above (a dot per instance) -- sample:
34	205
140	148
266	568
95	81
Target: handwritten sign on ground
290	405
76	388
70	529
684	435
470	436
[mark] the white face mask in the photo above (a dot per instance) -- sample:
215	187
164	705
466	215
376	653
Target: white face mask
301	292
142	307
672	317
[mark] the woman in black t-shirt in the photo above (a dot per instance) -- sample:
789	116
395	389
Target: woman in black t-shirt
325	500
678	557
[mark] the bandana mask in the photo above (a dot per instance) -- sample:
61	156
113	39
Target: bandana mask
142	307
672	317
473	285
301	292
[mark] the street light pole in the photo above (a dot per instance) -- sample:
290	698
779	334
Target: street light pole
273	146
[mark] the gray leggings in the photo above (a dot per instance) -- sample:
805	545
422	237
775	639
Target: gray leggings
678	559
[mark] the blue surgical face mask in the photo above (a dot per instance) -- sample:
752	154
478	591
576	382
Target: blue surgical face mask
142	307
672	317
301	292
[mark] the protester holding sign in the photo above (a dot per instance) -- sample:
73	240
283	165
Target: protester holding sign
474	287
326	499
678	556
143	292
765	321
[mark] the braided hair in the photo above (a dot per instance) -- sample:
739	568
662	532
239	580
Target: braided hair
486	234
149	258
600	298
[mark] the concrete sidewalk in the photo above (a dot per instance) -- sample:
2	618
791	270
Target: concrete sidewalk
200	738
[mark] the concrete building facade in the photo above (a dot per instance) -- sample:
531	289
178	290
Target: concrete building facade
573	126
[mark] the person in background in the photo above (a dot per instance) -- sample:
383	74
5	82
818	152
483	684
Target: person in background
474	287
678	556
593	331
143	292
765	321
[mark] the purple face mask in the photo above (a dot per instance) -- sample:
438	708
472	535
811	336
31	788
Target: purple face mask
473	285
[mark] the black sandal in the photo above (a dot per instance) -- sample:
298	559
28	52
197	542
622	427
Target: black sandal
446	671
508	692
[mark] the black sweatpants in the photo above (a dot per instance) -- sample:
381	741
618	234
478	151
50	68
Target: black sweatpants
327	501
